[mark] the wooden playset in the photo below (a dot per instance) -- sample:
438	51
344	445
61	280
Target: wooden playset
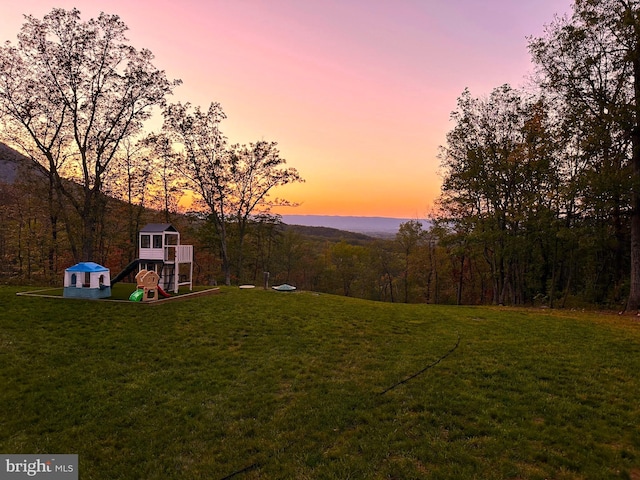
163	265
147	282
160	251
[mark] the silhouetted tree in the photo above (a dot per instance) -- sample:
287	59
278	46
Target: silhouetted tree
592	62
499	174
233	182
70	93
255	170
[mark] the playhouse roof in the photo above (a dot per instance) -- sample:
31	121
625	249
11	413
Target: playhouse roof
87	267
158	227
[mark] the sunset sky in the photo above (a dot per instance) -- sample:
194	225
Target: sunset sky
357	93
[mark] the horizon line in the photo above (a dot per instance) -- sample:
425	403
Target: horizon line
348	216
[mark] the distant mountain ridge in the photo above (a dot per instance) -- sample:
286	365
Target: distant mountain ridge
14	165
368	225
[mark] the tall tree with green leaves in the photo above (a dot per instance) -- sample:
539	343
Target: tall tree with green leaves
591	60
497	175
348	261
70	92
410	238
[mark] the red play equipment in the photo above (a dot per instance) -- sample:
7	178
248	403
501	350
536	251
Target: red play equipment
162	292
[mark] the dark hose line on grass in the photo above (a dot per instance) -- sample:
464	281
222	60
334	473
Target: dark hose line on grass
240	472
258	465
255	465
420	372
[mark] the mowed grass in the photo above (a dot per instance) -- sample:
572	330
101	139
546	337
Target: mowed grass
255	384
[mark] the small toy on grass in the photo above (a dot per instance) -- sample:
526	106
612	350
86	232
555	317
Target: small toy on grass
284	288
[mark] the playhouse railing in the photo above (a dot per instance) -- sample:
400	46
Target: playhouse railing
178	253
184	254
174	255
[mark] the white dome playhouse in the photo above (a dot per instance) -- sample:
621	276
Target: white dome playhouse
87	280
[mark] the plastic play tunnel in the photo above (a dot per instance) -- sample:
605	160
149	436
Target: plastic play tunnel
136	296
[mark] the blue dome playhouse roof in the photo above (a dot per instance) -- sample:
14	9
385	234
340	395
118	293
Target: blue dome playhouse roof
87	267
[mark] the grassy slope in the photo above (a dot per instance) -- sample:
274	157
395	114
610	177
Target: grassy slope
260	384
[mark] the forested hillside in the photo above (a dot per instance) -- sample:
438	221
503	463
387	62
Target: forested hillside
435	266
406	268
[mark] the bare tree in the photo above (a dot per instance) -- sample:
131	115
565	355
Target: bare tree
70	93
131	181
202	158
255	171
233	182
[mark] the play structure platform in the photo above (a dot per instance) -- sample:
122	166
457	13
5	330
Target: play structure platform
160	252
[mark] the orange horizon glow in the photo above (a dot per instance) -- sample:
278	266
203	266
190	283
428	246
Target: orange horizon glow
357	94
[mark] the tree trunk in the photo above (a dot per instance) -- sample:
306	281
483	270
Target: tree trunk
53	220
89	224
224	252
460	282
634	287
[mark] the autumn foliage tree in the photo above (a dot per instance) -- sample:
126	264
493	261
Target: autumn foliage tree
71	92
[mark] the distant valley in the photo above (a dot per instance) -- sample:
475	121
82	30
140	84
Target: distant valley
373	226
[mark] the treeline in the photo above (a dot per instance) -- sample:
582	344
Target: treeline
542	186
540	201
435	265
545	261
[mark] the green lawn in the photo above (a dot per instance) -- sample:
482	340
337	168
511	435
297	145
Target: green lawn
255	384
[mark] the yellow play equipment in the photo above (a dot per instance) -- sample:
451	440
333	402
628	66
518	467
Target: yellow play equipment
147	281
